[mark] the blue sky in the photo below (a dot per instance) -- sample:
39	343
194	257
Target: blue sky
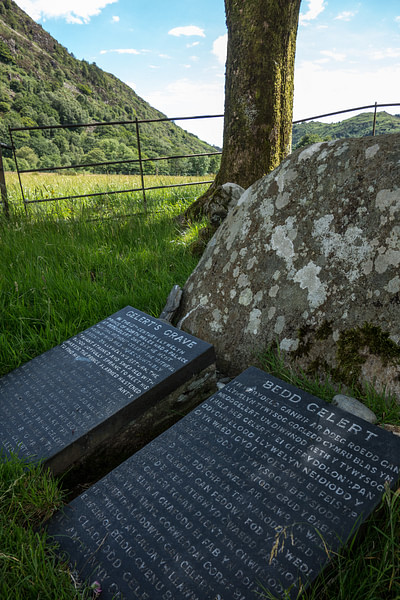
173	52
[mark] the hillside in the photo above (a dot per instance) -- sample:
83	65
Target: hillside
358	126
41	83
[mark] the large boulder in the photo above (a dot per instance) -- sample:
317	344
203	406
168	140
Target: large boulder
309	260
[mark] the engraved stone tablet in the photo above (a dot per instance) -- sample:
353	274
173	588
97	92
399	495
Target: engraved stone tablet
80	395
252	488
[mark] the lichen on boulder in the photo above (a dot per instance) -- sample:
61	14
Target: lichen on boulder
309	260
223	199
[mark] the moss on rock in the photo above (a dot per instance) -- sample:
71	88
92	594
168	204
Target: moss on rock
355	345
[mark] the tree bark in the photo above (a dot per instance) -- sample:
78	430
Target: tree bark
258	91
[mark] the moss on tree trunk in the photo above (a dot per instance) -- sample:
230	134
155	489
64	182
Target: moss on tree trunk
258	90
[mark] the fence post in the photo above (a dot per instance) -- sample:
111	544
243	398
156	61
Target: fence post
374	125
140	163
3	188
17	167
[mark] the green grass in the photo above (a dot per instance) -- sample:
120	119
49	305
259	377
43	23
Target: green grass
40	188
29	567
60	274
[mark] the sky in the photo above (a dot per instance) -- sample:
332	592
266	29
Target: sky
172	52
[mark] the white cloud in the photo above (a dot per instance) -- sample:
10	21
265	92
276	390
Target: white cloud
187	97
334	55
320	90
187	30
397	19
192	45
346	15
219	48
73	11
163	56
315	8
385	53
115	19
121	51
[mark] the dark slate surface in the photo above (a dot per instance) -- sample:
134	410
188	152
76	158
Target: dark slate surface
252	486
65	402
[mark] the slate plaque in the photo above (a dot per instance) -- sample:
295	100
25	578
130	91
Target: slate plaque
255	486
64	403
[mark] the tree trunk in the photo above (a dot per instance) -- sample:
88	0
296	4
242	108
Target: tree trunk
258	91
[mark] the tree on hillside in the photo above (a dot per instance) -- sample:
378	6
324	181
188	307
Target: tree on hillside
312	138
258	91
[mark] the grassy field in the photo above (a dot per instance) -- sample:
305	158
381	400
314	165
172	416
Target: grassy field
60	273
39	188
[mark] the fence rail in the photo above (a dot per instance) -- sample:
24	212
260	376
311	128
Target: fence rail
375	106
140	160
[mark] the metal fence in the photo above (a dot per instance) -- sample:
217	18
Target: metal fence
140	160
3	189
348	110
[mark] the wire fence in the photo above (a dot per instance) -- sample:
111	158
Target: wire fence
140	160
